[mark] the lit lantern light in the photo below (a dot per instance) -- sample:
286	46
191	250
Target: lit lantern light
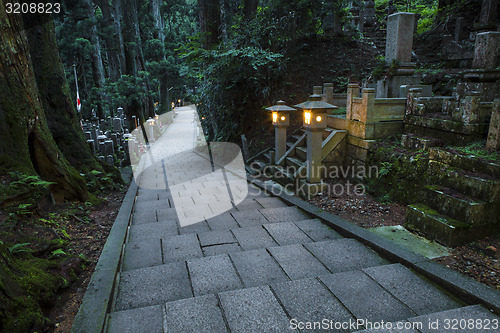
315	111
307	117
318	119
281	120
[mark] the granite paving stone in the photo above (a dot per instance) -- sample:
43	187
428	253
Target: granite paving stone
249	218
195	228
365	298
317	230
344	255
252	238
284	214
197	314
180	248
143	207
213	274
254	310
147	319
286	233
268	202
222	222
297	262
248	205
307	300
257	268
220	249
473	319
152	230
216	237
142	254
418	294
166	213
148	216
146	286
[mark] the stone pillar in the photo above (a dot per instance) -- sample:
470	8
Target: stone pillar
488	16
117	125
399	42
328	93
314	142
368	105
470	107
486	50
459	29
91	144
280	142
352	91
318	90
493	142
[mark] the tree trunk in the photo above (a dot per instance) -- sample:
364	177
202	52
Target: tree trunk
95	54
112	40
210	21
26	143
57	103
250	8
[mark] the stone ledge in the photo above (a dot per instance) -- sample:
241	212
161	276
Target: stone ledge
91	315
468	289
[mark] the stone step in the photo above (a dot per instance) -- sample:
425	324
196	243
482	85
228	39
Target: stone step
456	205
237	270
475	185
466	162
301	153
391	293
435	226
414	142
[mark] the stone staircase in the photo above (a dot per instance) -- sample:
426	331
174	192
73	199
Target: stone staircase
462	202
261	267
377	36
292	166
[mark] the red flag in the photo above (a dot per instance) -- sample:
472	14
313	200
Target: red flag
78	103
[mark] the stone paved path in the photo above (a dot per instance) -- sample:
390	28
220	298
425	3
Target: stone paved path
260	267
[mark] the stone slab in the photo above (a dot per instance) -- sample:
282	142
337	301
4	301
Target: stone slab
316	230
197	314
286	233
143	217
467	319
212	275
249	218
195	228
222	222
418	294
146	286
284	214
297	262
142	207
146	319
248	205
307	300
166	213
253	238
365	298
216	237
152	230
142	254
397	327
257	268
220	249
344	255
181	248
254	310
271	202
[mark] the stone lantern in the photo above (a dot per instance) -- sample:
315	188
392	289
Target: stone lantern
281	120
315	113
151	129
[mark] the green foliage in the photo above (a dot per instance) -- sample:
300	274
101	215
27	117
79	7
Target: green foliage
31	188
385	168
20	248
478	149
427	9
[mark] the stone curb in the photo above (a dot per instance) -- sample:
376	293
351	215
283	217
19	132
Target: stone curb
464	287
91	316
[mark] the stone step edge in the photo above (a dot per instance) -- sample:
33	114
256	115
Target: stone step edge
464	287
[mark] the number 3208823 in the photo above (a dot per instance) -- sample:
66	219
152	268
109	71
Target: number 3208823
33	8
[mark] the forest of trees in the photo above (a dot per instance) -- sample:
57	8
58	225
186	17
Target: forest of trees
226	56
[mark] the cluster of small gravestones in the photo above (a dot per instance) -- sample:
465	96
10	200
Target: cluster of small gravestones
108	138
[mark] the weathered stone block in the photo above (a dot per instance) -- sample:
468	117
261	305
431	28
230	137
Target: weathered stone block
486	50
493	142
399	37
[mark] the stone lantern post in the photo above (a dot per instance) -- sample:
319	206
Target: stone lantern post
151	129
281	120
315	113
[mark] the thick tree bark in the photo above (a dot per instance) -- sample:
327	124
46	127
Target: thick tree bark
26	143
210	21
95	54
55	97
112	40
